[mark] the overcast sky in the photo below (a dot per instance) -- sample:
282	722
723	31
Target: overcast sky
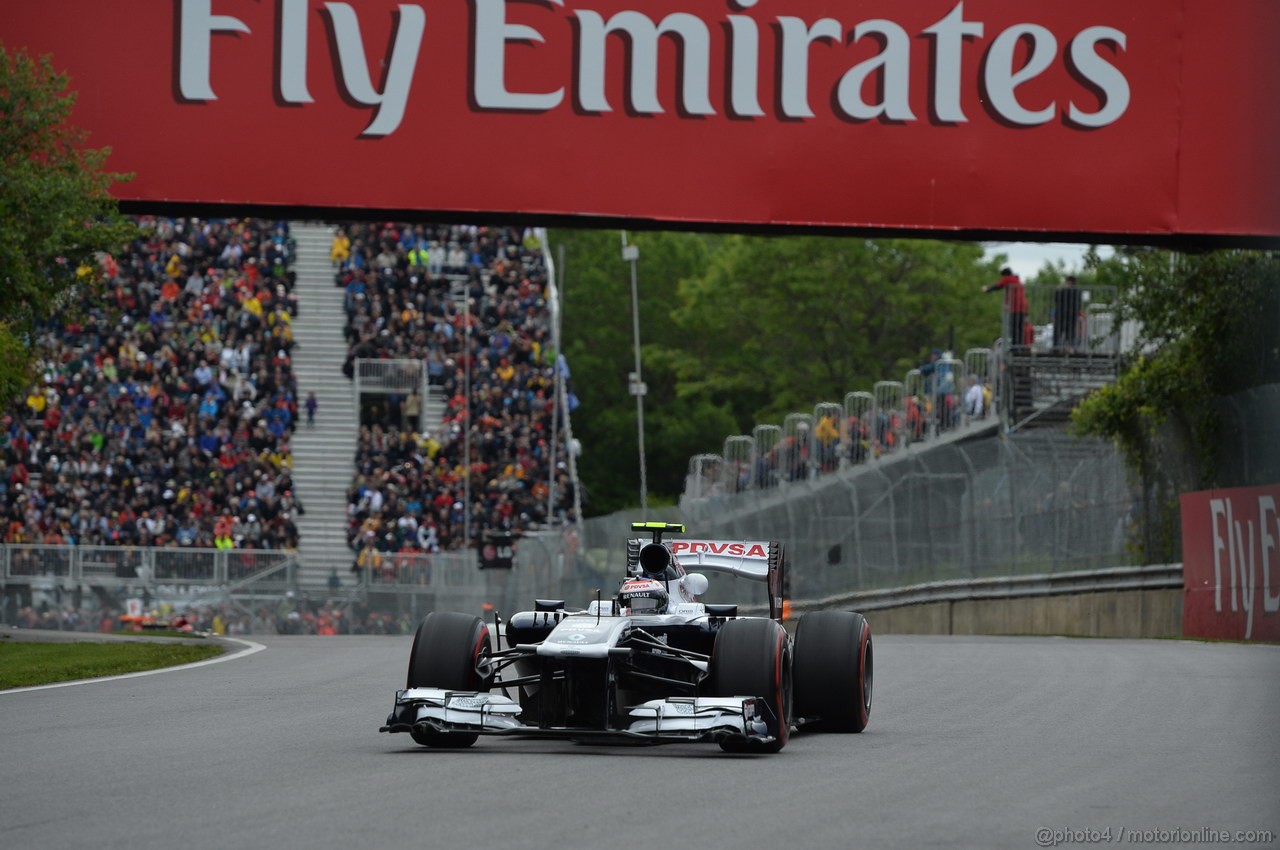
1027	258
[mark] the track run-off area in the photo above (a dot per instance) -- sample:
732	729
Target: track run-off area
973	742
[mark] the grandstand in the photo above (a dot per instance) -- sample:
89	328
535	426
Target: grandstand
465	313
168	433
163	417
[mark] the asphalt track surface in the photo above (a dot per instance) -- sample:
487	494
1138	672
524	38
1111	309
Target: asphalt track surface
973	742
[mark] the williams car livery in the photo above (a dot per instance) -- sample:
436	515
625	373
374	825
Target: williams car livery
652	664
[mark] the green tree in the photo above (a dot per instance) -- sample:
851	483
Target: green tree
1208	326
600	349
58	214
737	329
779	324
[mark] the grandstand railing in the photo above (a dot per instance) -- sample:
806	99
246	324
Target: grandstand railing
1064	356
865	427
391	377
454	581
115	567
1017	383
1091	332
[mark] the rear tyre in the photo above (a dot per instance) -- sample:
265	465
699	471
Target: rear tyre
450	652
834	670
753	658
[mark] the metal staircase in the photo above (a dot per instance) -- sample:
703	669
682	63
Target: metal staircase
1043	381
1046	387
323	456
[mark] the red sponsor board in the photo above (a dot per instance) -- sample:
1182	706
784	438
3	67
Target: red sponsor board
1148	117
1231	563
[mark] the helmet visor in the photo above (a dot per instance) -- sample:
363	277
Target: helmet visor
645	605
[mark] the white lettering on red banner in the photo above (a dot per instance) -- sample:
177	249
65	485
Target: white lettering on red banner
1000	76
198	26
1231	550
928	117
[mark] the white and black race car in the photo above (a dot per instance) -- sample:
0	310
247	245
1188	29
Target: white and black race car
653	664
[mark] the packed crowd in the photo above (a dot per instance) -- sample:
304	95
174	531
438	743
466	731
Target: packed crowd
162	416
405	287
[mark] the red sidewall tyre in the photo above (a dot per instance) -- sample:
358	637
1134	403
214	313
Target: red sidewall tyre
753	658
448	651
834	670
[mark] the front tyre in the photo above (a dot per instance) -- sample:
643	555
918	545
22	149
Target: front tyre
834	670
451	652
753	658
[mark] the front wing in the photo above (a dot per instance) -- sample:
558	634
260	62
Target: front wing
670	720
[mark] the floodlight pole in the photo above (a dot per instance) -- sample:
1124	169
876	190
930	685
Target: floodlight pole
631	254
466	430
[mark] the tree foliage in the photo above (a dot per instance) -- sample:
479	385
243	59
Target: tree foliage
779	324
1208	325
599	346
58	214
738	330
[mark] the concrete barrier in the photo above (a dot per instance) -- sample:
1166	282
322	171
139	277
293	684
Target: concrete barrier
1134	613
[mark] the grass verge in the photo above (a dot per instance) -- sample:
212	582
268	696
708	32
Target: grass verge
25	664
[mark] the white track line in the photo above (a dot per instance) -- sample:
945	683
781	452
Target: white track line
250	648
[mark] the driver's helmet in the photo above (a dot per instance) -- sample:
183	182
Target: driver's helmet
643	596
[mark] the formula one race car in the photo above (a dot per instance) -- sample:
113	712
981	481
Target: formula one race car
653	664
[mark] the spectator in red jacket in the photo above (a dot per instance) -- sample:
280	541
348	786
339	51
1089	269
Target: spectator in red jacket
1015	305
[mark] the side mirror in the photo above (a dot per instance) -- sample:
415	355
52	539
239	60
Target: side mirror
696	584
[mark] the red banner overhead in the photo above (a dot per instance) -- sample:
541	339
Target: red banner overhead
1231	563
1103	119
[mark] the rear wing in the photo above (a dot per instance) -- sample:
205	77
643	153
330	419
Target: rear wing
758	560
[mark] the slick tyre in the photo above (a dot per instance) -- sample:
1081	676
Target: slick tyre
753	658
834	668
450	651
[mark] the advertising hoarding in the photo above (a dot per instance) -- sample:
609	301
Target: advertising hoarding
1150	118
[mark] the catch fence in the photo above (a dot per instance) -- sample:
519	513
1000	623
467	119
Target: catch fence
1040	502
